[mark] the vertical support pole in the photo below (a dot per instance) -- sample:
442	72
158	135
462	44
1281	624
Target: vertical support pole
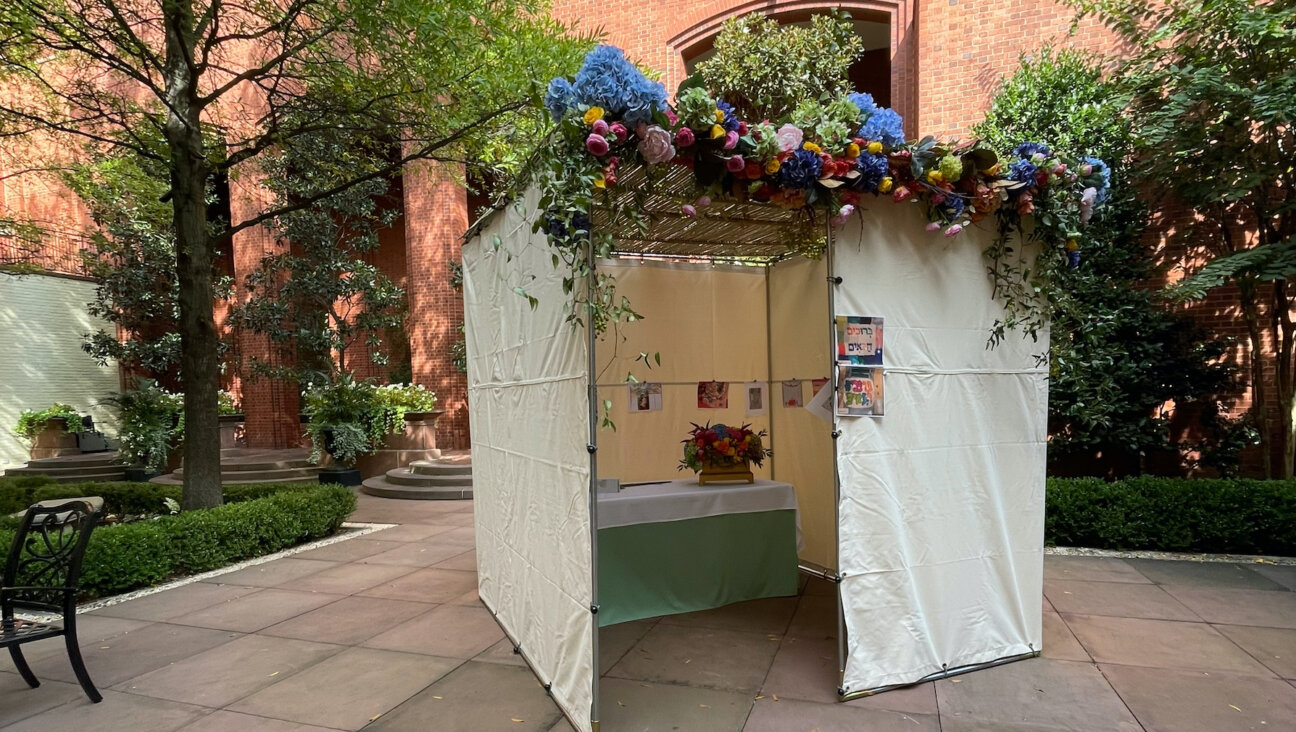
591	343
769	369
832	339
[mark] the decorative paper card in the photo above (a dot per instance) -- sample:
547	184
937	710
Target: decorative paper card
793	394
645	396
713	395
860	394
859	340
757	398
820	405
817	385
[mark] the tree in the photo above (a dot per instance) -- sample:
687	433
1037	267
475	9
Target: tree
440	80
765	69
1117	355
318	300
1212	88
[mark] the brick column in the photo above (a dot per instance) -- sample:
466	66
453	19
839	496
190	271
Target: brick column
436	216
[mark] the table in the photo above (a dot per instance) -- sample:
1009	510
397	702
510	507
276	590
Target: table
676	547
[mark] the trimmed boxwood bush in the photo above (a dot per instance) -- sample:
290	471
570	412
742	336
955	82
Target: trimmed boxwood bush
1173	514
128	556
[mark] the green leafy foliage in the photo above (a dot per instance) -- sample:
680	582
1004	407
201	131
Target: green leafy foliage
1173	514
354	417
150	423
32	422
766	69
128	556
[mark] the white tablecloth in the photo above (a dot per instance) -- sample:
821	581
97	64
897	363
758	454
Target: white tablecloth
677	500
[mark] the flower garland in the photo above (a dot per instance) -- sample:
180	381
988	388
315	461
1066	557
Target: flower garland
825	158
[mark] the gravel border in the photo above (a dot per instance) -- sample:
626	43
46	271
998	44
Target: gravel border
1067	551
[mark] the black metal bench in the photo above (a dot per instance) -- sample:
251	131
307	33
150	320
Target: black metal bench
41	576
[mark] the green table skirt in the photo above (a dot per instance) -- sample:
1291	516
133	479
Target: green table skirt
670	567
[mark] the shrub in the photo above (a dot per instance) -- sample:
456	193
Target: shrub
152	423
270	517
1173	514
16	492
360	415
31	422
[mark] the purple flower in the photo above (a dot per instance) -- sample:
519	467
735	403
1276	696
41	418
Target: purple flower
730	121
1073	259
735	164
801	170
597	144
731	140
1023	171
1028	150
872	168
688	211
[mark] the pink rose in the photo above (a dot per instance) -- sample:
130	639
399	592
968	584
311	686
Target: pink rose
684	137
735	164
789	137
901	194
1086	170
953	231
672	117
655	145
731	140
1087	200
688	211
702	202
597	144
933	226
599	127
937	199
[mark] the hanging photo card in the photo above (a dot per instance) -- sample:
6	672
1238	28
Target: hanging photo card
860	394
713	395
816	386
820	405
645	396
793	393
757	398
859	340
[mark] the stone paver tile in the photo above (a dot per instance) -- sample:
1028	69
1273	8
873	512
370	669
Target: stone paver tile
477	697
138	652
347	579
348	690
173	603
91	630
1045	605
116	712
1117	599
449	631
1176	700
410	532
419	553
804	668
917	700
461	519
1059	642
471	599
466	562
272	574
616	640
815	617
1035	694
225	721
426	585
1091	569
230	672
501	652
634	705
756	616
348	621
1203	574
1284	575
1274	647
1161	643
1240	607
257	611
706	657
349	550
19	701
768	715
562	726
464	535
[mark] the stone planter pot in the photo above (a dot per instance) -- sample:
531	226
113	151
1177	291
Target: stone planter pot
54	441
416	442
231	431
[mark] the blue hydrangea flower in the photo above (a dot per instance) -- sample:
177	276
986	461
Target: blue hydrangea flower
865	103
730	123
646	96
1023	171
872	168
885	126
1102	169
1073	259
608	80
1027	149
560	98
801	170
953	205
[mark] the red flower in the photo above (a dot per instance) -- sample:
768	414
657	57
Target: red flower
753	170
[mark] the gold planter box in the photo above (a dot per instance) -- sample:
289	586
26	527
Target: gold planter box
740	473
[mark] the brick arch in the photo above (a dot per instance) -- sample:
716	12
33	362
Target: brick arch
699	25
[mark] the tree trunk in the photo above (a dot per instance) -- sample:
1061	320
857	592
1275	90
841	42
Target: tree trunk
1259	401
1285	374
198	338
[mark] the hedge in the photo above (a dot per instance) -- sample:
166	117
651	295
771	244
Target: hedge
1236	516
128	556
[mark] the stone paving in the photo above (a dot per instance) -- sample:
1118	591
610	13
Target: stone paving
385	632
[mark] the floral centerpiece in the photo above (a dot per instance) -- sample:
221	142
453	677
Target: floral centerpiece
721	452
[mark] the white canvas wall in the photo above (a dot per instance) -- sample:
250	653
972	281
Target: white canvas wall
942	507
42	319
528	401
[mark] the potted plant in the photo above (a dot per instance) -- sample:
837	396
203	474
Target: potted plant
340	422
151	423
721	453
231	419
51	431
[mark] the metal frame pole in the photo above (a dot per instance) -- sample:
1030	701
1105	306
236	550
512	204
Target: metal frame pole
833	281
592	447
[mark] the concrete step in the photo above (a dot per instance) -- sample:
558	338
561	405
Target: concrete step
111	477
227	479
383	488
228	466
438	467
401	476
77	461
69	471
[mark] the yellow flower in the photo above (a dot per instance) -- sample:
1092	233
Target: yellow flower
885	185
1071	245
812	148
935	176
717	132
992	170
772	166
600	181
719	115
875	147
852	150
593	114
